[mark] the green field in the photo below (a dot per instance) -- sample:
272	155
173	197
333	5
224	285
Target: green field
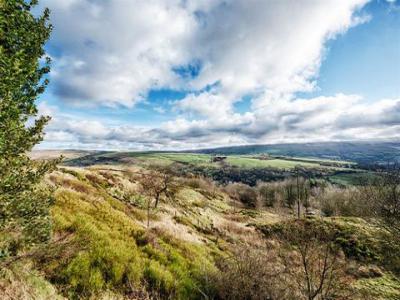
356	178
169	158
248	162
205	160
320	160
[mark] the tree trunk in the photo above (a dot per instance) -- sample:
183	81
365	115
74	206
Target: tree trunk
148	214
298	196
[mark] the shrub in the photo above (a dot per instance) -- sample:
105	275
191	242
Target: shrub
251	274
342	202
243	193
119	255
312	258
267	194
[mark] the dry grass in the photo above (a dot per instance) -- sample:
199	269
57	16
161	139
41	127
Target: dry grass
20	281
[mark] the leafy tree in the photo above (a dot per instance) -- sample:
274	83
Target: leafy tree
24	202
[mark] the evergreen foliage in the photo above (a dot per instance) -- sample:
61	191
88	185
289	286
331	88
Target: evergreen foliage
24	202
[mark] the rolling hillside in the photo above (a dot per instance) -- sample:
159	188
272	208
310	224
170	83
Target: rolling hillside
107	245
360	152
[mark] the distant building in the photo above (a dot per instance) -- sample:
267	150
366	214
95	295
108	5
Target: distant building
218	158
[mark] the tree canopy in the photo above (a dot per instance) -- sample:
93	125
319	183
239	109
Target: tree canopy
24	202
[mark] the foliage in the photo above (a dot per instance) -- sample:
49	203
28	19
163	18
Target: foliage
355	242
385	287
267	193
24	203
117	253
384	193
251	274
312	259
243	193
343	202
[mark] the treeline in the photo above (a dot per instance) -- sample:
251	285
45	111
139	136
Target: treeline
226	174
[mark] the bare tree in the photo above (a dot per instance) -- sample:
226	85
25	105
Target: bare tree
154	186
289	193
385	194
253	274
302	190
312	259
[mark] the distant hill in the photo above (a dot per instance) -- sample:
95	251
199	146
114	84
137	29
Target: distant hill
360	152
363	153
66	153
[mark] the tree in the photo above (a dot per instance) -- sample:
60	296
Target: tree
302	191
155	185
251	273
24	202
267	194
312	259
289	193
385	193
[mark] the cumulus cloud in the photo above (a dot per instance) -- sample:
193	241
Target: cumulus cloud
114	52
217	52
340	117
269	45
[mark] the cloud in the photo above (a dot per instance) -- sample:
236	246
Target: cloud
114	52
340	117
218	52
269	45
206	105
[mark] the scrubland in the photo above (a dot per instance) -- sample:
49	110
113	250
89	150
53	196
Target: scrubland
202	240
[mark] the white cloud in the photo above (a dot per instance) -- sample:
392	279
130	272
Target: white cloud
114	52
269	45
207	104
340	117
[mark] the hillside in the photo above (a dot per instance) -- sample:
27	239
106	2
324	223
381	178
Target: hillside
360	152
108	245
205	160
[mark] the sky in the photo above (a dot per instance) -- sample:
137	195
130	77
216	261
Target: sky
188	74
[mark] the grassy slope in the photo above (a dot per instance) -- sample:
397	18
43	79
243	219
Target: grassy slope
145	158
120	254
112	252
361	152
116	237
248	162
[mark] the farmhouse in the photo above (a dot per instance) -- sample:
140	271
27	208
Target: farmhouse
218	158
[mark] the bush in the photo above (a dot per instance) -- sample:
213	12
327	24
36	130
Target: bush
342	202
250	274
267	194
312	258
119	255
243	193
